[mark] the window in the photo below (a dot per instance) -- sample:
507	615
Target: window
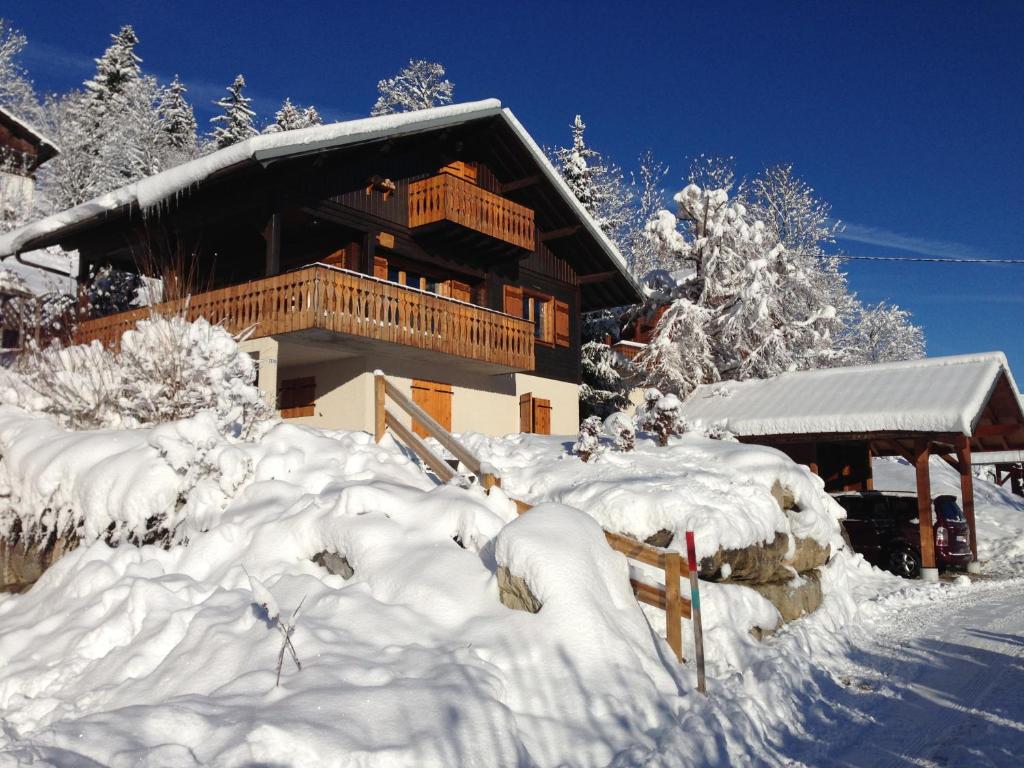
549	316
537	309
297	397
10	339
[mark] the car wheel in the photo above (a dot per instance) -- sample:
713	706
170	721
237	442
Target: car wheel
905	562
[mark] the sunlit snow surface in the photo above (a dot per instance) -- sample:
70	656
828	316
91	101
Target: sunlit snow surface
155	657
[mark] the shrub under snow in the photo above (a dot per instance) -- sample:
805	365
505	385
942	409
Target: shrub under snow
588	442
661	416
166	369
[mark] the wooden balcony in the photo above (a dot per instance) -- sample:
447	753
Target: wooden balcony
327	304
448	198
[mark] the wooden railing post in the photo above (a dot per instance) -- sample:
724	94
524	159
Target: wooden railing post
379	423
673	608
698	629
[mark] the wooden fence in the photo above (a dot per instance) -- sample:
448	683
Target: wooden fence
668	598
448	198
345	302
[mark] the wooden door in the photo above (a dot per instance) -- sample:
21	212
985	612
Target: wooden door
541	416
434	398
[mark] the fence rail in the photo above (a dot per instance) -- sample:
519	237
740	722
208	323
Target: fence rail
345	302
448	198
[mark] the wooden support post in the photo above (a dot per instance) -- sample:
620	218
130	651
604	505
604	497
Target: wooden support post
924	510
963	456
673	608
489	480
379	424
698	629
1017	480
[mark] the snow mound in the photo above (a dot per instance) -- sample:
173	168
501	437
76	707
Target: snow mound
720	490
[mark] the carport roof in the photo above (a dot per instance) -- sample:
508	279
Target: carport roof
971	395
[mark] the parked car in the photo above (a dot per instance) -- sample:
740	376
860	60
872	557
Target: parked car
883	526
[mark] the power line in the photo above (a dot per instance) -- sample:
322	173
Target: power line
926	259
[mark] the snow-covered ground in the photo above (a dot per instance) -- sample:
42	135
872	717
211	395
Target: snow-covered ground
161	655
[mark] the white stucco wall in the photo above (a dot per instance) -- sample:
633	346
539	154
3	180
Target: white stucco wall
480	403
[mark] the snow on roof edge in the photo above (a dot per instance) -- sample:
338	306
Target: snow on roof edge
31	129
758	394
559	183
152	190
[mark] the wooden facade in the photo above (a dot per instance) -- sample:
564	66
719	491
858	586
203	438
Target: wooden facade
351	305
426	233
22	148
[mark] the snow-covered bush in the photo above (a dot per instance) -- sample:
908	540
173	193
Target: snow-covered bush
588	443
603	391
661	416
166	369
619	427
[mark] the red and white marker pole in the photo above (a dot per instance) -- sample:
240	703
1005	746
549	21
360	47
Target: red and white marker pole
698	632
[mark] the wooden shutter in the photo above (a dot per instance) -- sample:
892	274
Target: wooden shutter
513	301
380	267
460	291
561	324
434	398
297	397
541	416
526	412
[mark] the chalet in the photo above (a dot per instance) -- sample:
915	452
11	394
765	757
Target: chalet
22	150
835	420
438	246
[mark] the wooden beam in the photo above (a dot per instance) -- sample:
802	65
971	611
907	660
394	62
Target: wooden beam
411	439
924	504
512	186
597	277
555	234
995	430
963	453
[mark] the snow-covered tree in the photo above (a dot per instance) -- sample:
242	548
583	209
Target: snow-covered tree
235	123
112	290
16	91
290	117
619	427
419	85
661	415
588	442
177	119
880	333
604	390
596	182
643	252
680	355
116	68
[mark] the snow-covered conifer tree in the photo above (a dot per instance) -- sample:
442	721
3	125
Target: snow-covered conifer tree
419	85
177	120
661	415
311	117
289	117
597	183
588	442
116	68
603	390
235	123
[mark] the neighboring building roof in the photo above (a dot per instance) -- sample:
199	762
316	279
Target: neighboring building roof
12	285
938	394
150	192
47	148
997	457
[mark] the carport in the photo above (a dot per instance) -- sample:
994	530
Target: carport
1007	466
835	420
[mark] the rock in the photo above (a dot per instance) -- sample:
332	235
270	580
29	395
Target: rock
660	539
515	592
334	563
766	563
793	598
23	562
758	563
783	496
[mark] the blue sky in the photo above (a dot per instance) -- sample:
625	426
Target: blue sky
905	116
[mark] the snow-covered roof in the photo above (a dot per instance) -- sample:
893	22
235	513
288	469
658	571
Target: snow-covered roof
32	131
997	457
938	394
151	191
12	285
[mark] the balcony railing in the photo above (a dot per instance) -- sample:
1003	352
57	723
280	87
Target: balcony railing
448	198
331	299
